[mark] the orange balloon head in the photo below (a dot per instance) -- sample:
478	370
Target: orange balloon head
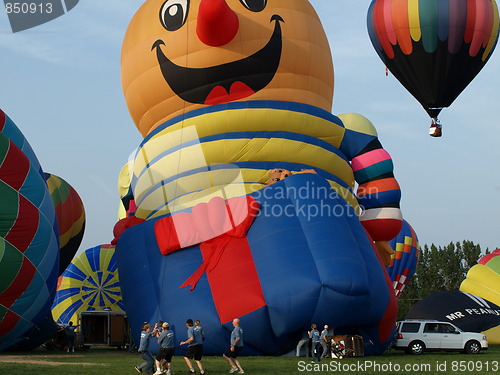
180	55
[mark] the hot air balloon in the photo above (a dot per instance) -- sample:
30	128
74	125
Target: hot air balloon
483	279
89	283
217	91
467	311
404	259
29	243
70	218
434	48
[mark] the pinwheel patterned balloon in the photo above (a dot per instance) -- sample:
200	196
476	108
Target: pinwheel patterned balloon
404	259
29	248
89	283
70	218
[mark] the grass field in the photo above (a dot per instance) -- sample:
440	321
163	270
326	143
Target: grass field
98	361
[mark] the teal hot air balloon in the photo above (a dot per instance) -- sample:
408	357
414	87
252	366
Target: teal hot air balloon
29	246
434	48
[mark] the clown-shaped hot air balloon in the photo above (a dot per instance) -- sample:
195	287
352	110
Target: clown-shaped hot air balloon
224	91
29	247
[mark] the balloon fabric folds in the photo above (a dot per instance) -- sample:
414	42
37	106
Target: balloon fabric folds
404	259
29	247
70	217
434	48
89	283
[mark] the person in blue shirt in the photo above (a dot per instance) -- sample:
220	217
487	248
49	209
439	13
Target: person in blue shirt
324	341
236	346
195	348
69	330
148	365
315	337
164	356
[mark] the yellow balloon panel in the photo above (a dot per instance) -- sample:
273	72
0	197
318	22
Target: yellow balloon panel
482	281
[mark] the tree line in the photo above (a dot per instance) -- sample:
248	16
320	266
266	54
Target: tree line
439	269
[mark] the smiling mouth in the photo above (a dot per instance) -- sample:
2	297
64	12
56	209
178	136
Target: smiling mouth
227	82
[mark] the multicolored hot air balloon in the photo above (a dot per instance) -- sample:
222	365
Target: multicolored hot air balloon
29	244
483	280
218	92
70	218
89	283
435	48
404	259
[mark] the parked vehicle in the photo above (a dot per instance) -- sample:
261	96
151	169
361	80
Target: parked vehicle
416	336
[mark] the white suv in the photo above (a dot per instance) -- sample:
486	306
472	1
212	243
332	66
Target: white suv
416	336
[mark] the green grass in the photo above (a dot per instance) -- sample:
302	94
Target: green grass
99	361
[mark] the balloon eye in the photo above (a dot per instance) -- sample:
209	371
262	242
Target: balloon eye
280	171
254	5
173	14
276	179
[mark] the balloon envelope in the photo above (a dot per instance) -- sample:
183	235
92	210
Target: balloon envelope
404	259
29	245
466	311
435	48
70	218
89	283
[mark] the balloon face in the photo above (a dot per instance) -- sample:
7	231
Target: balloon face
435	48
70	217
29	247
89	283
182	55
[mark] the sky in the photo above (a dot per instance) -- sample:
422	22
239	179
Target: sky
60	83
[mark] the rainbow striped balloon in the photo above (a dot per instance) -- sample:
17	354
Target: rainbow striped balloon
434	47
70	218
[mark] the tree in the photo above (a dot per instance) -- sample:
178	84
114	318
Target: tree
439	269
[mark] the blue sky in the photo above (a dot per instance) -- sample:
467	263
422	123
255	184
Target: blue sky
60	83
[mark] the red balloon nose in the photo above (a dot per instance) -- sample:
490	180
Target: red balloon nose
217	23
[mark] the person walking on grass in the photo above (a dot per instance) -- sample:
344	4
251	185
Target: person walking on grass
195	348
148	365
231	355
163	360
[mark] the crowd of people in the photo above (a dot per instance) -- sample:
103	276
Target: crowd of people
195	339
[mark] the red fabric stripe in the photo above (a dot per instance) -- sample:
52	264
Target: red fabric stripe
471	20
235	275
19	285
25	227
3	120
15	167
380	27
8	322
